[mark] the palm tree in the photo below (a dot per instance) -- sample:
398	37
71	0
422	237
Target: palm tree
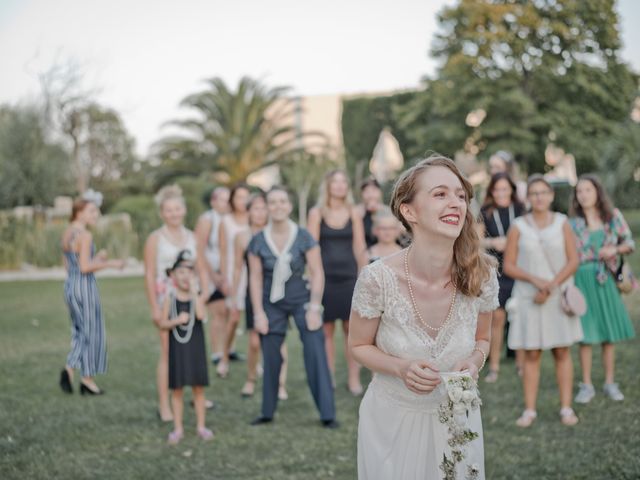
234	133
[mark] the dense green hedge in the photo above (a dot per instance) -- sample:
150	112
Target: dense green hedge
363	118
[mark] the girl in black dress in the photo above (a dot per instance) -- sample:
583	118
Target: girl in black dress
501	206
182	314
339	230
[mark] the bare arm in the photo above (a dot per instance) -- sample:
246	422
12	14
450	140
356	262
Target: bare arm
202	232
418	375
313	223
359	243
240	245
88	264
166	323
316	275
510	266
222	243
150	252
483	339
255	291
573	260
202	273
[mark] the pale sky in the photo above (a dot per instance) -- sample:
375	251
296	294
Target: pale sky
146	55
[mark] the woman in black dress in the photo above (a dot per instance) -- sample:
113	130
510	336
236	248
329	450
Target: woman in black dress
339	230
501	206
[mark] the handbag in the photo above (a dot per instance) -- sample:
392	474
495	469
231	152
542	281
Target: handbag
624	277
572	300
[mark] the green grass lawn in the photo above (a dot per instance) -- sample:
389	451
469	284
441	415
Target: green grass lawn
46	434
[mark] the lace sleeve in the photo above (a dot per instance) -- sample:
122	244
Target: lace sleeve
368	295
488	300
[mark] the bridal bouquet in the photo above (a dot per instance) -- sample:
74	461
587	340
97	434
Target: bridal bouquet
462	398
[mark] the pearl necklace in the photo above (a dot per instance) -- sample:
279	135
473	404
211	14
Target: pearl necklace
413	299
188	328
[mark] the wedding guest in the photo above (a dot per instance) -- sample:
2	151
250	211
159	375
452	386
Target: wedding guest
338	228
160	251
500	208
182	313
503	162
88	344
417	315
541	256
371	195
258	217
602	236
233	223
386	229
207	241
278	257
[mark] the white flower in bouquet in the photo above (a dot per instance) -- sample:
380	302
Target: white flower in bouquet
468	396
455	394
459	409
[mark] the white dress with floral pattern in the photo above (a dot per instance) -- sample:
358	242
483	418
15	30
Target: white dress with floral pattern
399	433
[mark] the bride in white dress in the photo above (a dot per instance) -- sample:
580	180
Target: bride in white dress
417	315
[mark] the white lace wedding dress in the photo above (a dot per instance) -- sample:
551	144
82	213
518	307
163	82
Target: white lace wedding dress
399	433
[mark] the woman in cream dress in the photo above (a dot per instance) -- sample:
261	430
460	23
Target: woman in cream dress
541	256
416	315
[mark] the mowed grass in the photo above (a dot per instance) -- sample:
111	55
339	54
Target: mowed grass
47	434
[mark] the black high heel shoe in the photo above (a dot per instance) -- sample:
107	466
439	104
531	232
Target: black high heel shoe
86	390
65	381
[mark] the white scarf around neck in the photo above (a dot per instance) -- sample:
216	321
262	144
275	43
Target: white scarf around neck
282	268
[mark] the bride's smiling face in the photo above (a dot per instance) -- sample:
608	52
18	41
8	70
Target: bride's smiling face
439	206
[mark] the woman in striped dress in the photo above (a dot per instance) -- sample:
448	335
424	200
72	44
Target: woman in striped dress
88	346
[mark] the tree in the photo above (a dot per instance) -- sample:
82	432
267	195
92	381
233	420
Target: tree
303	172
363	118
233	133
539	72
66	101
33	169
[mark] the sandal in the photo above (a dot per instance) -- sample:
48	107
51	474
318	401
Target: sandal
248	389
208	404
205	434
223	369
175	437
568	417
492	376
282	393
526	419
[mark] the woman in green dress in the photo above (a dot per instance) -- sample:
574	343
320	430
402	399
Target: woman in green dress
602	236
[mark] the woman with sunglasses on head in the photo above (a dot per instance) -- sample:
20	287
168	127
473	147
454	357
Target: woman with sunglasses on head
88	343
541	256
602	235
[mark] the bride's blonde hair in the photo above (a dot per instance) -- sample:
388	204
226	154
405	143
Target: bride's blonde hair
471	266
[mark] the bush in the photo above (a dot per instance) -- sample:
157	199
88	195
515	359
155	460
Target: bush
144	218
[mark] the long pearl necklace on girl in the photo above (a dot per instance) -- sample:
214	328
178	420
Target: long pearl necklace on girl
188	328
413	299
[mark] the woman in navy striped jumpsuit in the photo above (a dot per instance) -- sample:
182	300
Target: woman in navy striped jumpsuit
88	346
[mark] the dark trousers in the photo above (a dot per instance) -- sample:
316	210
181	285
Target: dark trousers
315	360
